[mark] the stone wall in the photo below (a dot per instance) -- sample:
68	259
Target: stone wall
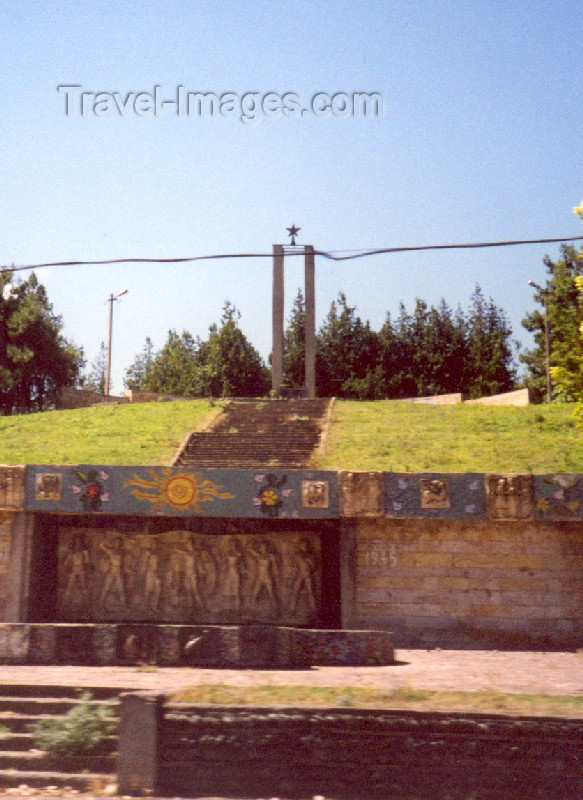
459	583
70	398
345	754
5	533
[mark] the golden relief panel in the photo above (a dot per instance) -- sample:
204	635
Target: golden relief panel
186	577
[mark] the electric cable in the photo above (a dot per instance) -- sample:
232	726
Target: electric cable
332	255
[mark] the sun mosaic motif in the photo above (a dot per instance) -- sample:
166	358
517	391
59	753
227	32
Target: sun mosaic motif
179	491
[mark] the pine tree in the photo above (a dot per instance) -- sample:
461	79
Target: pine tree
562	303
35	359
136	373
348	355
231	367
95	379
294	352
490	364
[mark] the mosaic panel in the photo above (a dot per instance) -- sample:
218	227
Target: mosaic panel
435	496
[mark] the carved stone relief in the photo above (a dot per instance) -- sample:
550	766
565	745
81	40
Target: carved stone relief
11	487
315	494
434	494
180	576
510	496
5	528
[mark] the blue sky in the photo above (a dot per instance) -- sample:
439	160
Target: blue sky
480	140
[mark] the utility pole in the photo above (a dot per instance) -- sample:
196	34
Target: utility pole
110	300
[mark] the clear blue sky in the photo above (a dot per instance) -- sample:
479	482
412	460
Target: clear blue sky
480	140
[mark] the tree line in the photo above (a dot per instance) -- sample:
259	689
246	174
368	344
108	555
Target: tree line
427	350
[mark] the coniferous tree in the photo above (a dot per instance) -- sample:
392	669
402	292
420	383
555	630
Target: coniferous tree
490	365
95	379
230	365
294	351
562	302
348	355
136	373
35	358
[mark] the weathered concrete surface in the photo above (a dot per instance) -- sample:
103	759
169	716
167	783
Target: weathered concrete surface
466	670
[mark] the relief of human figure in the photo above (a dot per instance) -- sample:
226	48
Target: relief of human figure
232	580
265	566
114	582
77	565
199	568
303	564
151	572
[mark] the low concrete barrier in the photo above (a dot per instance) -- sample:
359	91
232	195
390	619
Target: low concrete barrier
521	397
232	646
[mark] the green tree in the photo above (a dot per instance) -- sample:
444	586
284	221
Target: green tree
36	360
95	379
225	365
294	351
348	355
490	360
136	374
230	365
175	369
562	303
568	378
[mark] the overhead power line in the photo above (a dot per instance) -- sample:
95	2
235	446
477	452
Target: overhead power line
333	255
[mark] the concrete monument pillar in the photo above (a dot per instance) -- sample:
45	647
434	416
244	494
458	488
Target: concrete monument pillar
310	322
277	351
278	320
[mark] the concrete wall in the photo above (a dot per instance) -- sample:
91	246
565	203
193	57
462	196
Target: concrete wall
297	753
456	583
521	397
70	398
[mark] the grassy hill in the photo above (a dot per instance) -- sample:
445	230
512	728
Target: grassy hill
383	435
408	437
144	433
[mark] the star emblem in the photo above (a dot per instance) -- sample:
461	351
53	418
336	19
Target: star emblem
293	232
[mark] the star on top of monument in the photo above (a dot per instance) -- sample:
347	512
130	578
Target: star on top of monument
293	232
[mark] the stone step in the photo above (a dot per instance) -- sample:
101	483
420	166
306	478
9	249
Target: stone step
53	706
55	691
16	741
20	723
83	782
277	433
39	761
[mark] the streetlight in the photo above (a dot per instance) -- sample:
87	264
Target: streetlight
544	293
110	300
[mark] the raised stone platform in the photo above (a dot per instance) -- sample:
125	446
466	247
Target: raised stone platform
229	646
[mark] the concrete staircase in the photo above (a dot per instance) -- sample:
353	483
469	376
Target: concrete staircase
21	764
259	433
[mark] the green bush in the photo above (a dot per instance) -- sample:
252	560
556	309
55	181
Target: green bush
80	731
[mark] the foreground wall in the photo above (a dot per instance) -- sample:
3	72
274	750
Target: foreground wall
346	754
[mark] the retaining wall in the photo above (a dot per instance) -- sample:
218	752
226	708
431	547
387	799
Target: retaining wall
345	754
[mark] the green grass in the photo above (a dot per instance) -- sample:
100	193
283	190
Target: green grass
383	435
405	697
407	437
144	433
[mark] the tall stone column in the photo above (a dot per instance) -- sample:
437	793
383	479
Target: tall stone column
277	351
310	331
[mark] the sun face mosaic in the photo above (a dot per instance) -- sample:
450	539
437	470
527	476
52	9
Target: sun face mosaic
168	490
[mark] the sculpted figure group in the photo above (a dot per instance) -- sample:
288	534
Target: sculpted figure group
182	576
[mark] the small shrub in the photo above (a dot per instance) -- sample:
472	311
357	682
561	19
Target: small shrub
80	731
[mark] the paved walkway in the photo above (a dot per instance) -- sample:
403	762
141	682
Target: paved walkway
538	673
